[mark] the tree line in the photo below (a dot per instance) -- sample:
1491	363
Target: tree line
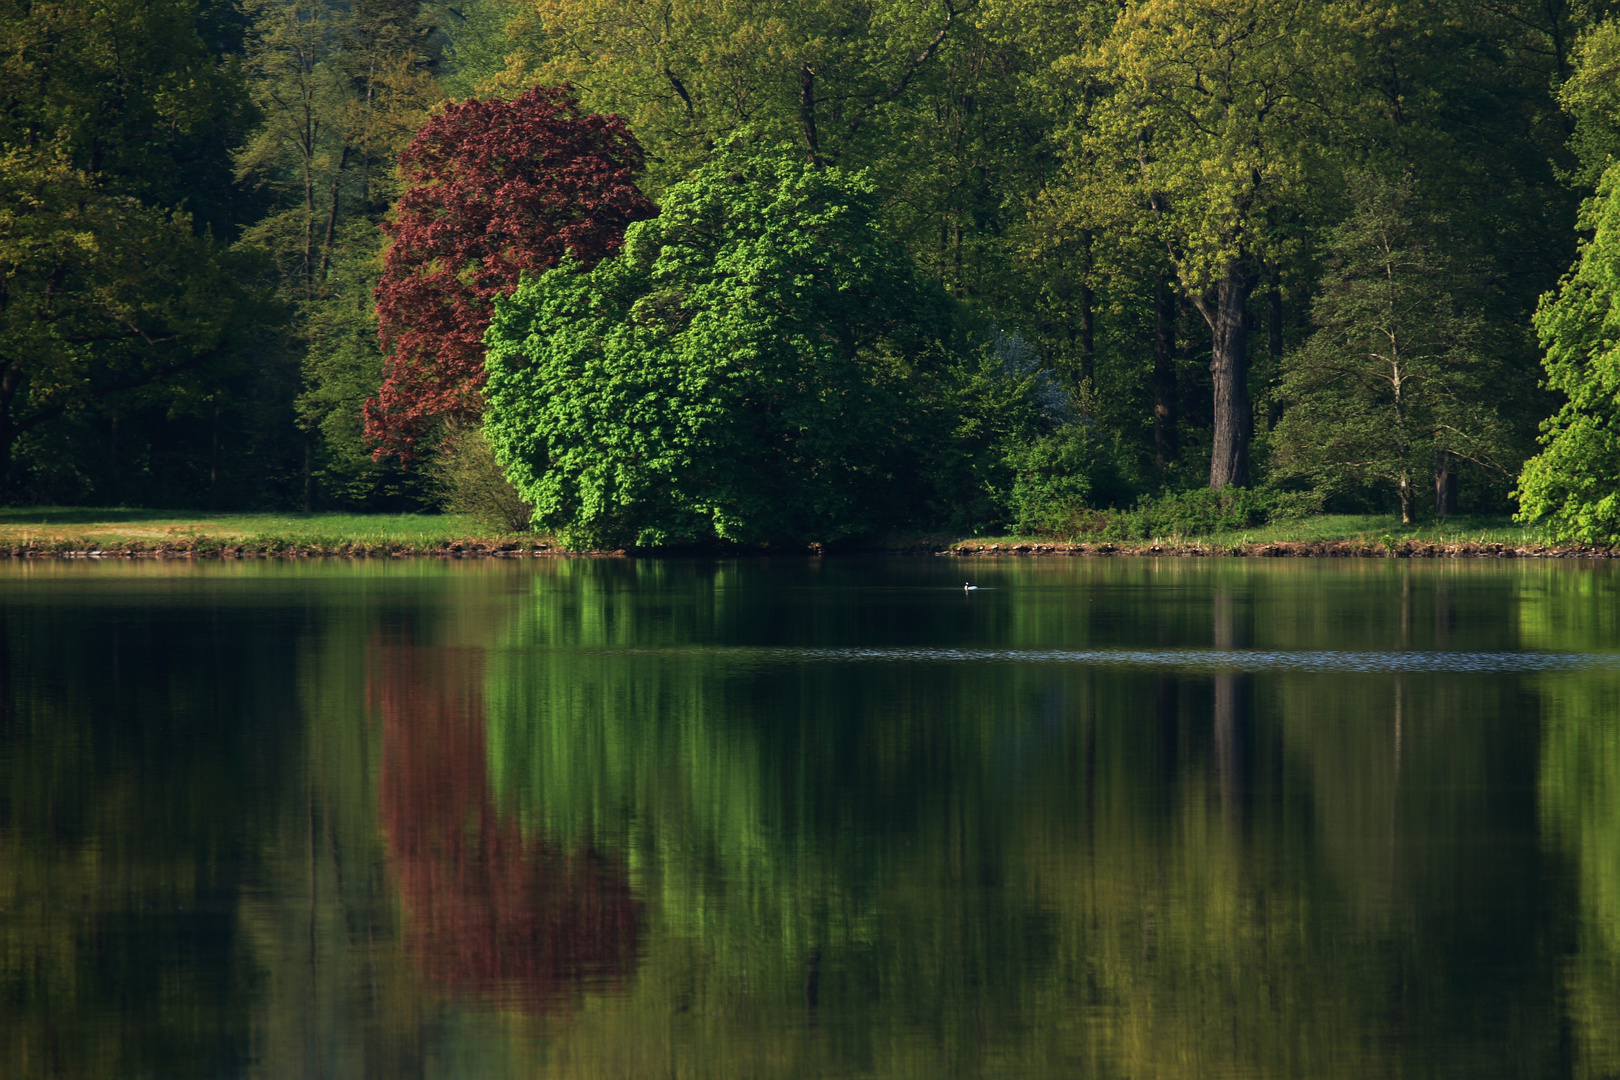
768	271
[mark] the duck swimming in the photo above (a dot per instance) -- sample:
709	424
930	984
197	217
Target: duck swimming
968	588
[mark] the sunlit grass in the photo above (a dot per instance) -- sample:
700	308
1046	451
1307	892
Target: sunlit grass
47	526
122	525
1332	528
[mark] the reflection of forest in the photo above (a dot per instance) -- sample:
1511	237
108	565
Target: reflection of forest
1580	800
800	868
987	867
489	911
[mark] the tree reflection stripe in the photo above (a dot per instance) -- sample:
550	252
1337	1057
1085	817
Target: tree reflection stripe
1185	659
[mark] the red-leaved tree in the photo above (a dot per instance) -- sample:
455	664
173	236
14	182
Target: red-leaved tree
496	189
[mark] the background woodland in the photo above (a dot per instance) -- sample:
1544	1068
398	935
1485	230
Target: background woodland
1170	245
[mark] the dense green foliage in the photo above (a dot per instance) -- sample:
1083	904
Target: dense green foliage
757	365
1400	377
1574	483
1157	203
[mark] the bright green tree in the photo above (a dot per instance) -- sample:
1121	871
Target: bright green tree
1573	485
1397	381
1591	96
752	367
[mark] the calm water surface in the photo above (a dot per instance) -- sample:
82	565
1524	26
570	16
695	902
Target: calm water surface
1100	818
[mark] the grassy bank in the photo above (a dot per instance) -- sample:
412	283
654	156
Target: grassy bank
1385	530
57	529
37	530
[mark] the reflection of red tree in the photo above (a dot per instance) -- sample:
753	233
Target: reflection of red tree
489	913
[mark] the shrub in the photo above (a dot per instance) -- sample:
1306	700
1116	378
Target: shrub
1205	510
467	479
1056	479
1199	512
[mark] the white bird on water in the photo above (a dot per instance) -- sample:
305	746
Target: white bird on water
968	588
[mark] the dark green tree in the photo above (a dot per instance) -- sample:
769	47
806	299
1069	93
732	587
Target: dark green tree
133	107
137	93
103	296
1399	378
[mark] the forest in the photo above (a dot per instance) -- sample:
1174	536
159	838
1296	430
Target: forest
660	272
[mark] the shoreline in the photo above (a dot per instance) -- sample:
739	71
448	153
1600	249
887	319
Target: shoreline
212	548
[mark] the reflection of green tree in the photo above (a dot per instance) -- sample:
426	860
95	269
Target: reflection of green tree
1580	798
937	869
1560	611
1580	790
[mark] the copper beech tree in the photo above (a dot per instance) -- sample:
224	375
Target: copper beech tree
495	189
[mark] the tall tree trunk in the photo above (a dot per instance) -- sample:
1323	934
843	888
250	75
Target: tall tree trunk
309	471
1445	484
1088	329
1164	378
1226	310
1408	492
329	236
213	453
807	111
309	231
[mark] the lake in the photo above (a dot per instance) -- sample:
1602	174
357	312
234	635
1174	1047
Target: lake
810	818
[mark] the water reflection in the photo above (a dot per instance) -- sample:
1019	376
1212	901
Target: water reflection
653	819
490	912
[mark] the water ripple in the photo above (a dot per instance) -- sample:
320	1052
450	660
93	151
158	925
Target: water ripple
1394	661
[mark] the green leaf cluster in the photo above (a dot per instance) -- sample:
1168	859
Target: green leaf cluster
1402	371
760	363
102	295
1573	485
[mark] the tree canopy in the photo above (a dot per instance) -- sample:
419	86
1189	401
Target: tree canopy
1574	483
1398	378
102	295
496	189
748	369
